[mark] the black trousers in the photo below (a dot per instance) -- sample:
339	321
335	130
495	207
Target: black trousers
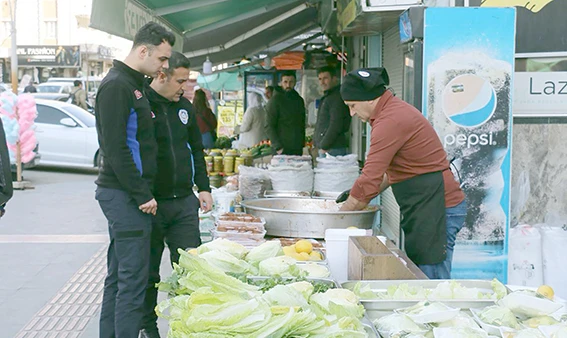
177	225
127	264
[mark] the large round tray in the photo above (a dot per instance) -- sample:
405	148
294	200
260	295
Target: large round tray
306	218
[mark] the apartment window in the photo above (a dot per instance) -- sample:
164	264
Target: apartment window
51	29
5	28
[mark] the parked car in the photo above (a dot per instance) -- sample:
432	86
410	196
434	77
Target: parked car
5	87
90	84
60	97
67	135
55	87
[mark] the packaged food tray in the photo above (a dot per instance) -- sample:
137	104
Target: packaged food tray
239	236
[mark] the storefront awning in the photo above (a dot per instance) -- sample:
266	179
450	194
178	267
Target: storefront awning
223	30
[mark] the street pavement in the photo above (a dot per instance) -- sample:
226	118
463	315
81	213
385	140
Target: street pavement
53	242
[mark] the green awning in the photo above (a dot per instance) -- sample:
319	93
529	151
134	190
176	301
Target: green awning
224	30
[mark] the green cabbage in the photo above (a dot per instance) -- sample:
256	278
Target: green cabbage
221	244
363	291
336	304
314	270
461	320
264	251
280	266
228	263
202	274
459	332
287	295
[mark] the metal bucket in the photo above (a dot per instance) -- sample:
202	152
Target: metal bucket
306	218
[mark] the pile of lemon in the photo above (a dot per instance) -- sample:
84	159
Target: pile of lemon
302	250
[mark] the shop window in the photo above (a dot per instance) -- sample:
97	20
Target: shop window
51	29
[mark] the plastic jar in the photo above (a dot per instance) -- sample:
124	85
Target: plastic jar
238	161
228	164
215	180
217	164
209	162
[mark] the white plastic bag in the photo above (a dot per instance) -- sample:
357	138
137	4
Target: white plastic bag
284	160
292	177
525	262
337	161
253	182
336	179
554	243
223	201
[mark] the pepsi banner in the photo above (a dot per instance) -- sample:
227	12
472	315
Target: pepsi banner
468	64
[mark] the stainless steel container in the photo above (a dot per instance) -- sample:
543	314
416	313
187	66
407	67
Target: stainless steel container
306	218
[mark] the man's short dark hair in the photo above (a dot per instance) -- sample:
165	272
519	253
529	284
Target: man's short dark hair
176	60
153	34
77	83
288	73
328	69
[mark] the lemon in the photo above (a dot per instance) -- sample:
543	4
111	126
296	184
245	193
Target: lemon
304	256
546	291
289	250
303	246
352	228
193	252
315	256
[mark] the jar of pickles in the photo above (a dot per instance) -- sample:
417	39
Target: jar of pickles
217	164
238	161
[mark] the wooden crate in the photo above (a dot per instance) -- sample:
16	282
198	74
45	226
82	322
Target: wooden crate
370	259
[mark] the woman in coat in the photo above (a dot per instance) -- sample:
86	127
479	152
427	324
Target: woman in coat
206	120
253	128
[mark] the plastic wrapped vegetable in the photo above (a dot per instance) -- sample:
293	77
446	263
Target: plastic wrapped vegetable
398	323
536	322
499	316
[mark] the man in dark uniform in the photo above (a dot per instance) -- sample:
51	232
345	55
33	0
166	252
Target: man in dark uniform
406	154
286	117
181	165
333	119
125	181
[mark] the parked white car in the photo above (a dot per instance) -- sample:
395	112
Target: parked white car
55	87
67	135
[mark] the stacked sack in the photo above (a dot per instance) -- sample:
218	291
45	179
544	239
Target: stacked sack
291	173
336	173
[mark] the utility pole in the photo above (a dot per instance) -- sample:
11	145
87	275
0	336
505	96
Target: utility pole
14	71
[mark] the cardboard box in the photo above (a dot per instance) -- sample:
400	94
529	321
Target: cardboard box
370	259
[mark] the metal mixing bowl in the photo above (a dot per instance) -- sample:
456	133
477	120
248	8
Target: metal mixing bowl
307	218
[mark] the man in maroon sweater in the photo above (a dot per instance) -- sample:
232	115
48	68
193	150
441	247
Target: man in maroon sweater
406	154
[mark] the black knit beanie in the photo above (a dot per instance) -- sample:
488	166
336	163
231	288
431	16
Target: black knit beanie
364	84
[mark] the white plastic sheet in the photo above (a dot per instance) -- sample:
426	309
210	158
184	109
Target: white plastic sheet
525	262
554	242
335	179
292	177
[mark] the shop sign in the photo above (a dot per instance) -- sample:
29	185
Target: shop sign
124	18
105	52
468	70
229	116
49	56
540	93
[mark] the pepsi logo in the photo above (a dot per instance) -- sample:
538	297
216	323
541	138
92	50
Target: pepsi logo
469	100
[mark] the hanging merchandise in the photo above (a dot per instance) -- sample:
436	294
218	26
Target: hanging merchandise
525	263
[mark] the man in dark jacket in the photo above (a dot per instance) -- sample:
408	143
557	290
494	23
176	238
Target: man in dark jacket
6	189
286	117
333	118
181	165
126	136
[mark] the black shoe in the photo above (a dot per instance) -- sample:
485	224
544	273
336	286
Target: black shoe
145	333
